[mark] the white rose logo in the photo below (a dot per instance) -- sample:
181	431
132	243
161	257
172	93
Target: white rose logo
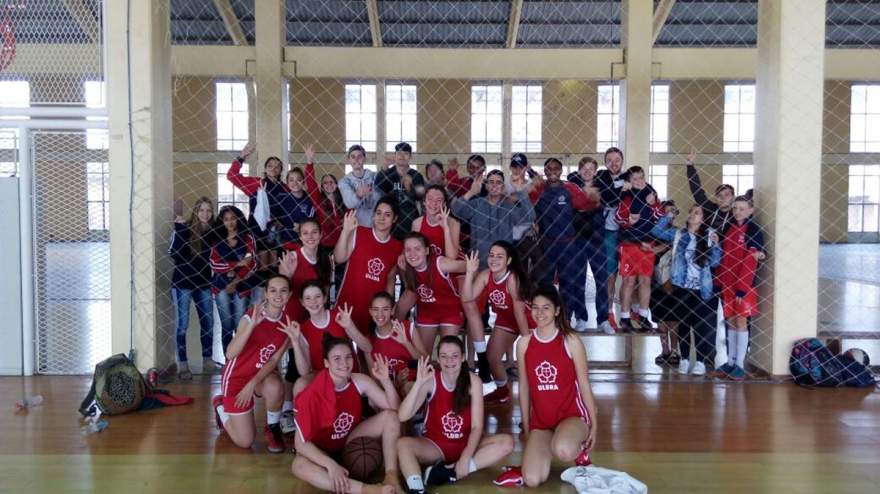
375	266
452	424
497	297
342	425
425	293
546	373
265	354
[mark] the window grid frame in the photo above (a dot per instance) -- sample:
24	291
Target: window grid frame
391	140
483	146
659	146
864	145
867	170
370	146
739	145
235	142
614	141
239	199
528	145
104	202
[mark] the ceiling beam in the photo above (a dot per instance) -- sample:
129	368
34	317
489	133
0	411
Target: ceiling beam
660	14
513	22
84	19
375	27
230	20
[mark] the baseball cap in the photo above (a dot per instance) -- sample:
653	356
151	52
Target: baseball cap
519	159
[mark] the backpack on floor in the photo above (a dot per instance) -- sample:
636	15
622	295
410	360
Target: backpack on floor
813	364
117	388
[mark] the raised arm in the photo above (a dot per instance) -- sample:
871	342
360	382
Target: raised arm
384	397
248	185
519	305
695	184
343	318
524	403
474	280
343	248
416	396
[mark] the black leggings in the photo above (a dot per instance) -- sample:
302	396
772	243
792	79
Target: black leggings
697	315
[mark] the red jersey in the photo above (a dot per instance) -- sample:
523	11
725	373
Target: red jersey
499	298
554	393
330	436
436	290
738	263
314	336
448	429
265	339
366	273
306	270
434	234
397	354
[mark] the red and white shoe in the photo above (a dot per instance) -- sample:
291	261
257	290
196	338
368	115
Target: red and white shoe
274	438
216	402
510	477
583	459
499	396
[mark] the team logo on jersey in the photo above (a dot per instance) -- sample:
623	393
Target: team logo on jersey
375	266
394	363
560	199
436	250
265	354
546	374
342	425
452	423
499	298
426	294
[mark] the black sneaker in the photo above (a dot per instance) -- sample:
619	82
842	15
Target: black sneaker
662	359
483	369
627	325
439	474
674	359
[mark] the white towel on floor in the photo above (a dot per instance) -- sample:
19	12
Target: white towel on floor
598	480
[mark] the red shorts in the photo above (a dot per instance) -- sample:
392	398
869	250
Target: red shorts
634	261
434	315
747	307
230	391
451	450
507	323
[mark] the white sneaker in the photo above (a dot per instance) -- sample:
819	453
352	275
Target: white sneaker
606	328
580	325
699	369
685	365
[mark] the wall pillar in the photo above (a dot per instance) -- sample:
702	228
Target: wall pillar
788	157
271	36
637	19
139	103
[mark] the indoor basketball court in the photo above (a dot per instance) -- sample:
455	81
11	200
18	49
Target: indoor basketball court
685	188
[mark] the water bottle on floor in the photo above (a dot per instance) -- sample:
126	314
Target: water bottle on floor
29	402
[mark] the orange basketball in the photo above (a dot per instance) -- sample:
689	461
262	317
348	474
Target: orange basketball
362	457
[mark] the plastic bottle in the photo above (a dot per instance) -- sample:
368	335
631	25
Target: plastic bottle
92	427
29	402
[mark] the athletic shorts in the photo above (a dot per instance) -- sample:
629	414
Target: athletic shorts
451	450
748	307
440	316
611	251
634	261
230	391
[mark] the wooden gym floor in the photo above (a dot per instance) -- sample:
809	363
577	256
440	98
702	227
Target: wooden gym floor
674	435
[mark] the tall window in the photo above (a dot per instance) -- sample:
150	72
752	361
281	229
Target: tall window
864	119
659	179
232	116
739	118
863	198
741	177
525	118
659	118
360	116
486	119
608	123
96	138
400	115
226	193
98	196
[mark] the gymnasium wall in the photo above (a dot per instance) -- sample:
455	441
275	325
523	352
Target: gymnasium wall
569	128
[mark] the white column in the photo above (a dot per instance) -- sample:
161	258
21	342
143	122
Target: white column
271	32
139	104
788	152
637	17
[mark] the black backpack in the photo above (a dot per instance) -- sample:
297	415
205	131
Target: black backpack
813	364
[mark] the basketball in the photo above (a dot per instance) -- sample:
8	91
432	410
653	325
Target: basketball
362	457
